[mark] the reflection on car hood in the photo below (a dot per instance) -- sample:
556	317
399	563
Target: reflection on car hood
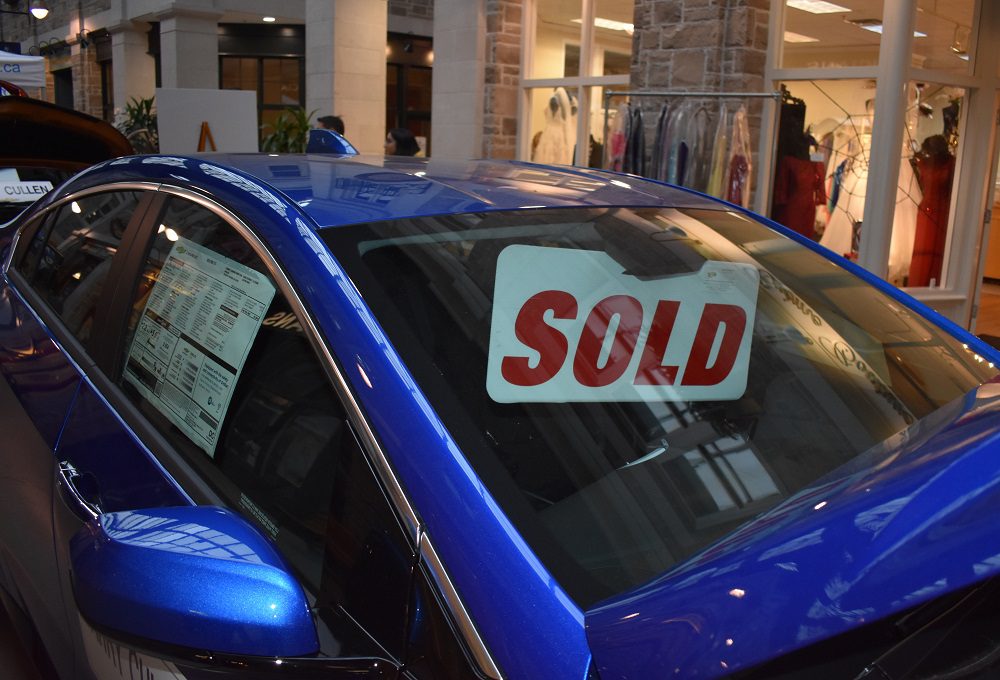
36	133
906	523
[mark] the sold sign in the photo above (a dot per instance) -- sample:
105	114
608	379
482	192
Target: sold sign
572	325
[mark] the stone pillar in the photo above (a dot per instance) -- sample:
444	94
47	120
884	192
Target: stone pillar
504	25
459	67
86	80
345	66
189	49
701	45
133	70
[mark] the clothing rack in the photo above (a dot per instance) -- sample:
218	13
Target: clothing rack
609	94
769	139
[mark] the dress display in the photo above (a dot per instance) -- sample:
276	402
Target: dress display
558	138
849	163
799	186
935	168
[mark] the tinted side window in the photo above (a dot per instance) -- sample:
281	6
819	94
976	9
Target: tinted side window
217	361
69	257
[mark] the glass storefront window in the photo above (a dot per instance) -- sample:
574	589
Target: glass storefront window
612	38
557	40
559	51
920	228
943	35
831	34
821	166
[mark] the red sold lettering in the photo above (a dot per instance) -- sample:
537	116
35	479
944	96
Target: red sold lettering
698	372
651	369
594	336
531	329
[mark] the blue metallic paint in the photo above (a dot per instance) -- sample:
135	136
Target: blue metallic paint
684	619
882	535
96	441
237	596
38	371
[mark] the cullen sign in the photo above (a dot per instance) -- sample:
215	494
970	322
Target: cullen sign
570	325
23	191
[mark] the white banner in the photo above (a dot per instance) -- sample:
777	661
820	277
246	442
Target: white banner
22	70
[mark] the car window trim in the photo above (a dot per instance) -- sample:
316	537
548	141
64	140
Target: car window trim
377	458
81	355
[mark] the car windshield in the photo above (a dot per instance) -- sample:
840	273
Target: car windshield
634	384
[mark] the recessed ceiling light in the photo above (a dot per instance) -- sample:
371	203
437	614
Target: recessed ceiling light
791	37
817	6
269	20
875	26
610	24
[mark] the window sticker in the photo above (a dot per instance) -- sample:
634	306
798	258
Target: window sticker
193	337
571	325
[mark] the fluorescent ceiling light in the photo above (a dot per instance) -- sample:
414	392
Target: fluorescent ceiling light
791	37
610	24
875	26
269	20
817	6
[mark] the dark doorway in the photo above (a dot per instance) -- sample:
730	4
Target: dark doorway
63	84
408	86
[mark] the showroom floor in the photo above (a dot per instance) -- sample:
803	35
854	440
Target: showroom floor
14	665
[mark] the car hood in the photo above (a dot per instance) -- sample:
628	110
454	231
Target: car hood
898	526
38	134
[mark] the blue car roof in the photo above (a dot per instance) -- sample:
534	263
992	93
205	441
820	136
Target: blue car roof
337	190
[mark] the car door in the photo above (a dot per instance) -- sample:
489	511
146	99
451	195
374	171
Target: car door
212	369
50	305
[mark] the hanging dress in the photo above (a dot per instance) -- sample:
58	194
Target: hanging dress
936	174
737	188
719	148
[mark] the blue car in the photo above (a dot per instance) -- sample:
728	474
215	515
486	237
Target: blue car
328	416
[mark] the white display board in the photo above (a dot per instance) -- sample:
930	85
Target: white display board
231	117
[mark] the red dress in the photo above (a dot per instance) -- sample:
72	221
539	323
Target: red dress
936	174
799	187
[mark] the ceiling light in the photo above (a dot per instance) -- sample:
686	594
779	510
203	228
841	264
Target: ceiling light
268	20
610	24
875	26
817	6
791	37
38	9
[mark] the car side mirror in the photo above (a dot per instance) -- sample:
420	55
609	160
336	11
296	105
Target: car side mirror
198	577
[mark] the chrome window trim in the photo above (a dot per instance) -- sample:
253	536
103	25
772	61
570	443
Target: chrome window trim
460	614
353	409
381	462
42	214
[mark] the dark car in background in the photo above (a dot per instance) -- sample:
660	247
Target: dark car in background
42	145
334	416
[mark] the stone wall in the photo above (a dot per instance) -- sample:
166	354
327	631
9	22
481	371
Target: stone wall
700	45
412	9
504	23
63	16
86	82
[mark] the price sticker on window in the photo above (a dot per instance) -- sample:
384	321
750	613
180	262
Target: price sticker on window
573	325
